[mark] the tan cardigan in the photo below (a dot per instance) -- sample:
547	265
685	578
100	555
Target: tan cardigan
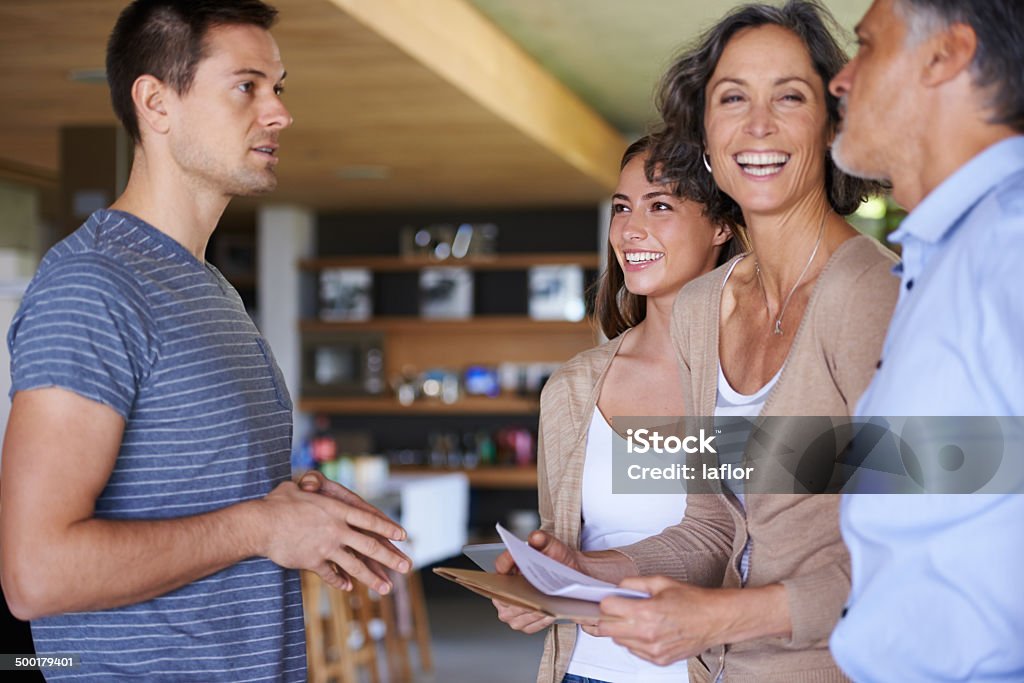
566	408
795	537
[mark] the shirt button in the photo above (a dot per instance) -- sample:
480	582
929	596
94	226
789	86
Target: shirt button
910	284
842	615
878	365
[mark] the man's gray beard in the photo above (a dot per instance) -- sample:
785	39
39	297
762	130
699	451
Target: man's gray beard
847	168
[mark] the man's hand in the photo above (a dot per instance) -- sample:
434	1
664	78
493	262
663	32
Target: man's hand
330	531
676	622
315	482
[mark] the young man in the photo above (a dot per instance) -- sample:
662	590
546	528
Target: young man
934	102
149	525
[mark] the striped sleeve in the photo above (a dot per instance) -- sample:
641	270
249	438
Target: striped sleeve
82	326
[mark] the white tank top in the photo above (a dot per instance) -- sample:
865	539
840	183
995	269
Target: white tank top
611	520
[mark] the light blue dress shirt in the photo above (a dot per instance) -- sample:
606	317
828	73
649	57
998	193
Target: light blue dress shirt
937	587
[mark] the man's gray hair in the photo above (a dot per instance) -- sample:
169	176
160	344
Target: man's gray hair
998	66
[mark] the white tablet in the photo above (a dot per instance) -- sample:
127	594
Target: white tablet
484	554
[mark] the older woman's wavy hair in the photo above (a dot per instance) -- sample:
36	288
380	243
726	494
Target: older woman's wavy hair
681	101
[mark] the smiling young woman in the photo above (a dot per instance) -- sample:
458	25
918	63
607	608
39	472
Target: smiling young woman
659	240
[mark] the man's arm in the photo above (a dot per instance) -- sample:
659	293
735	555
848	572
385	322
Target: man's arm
58	454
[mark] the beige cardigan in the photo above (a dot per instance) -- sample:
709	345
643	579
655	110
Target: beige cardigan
795	537
566	408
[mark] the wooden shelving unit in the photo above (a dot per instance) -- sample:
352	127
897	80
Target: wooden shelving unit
394	264
387	405
485	477
422	343
479	324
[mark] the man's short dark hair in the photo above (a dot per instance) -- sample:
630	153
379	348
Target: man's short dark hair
998	66
681	98
166	39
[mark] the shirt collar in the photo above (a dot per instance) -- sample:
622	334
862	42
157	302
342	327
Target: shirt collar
936	215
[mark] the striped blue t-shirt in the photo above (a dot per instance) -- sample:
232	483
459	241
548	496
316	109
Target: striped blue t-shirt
122	314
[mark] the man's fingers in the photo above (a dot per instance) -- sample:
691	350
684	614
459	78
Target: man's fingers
315	482
311	481
374	523
356	568
374	547
377	568
333	576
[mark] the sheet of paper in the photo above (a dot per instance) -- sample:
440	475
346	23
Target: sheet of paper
554	578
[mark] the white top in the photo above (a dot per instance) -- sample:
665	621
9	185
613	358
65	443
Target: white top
611	520
732	443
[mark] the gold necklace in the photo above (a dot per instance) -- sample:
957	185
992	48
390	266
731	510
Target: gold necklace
757	269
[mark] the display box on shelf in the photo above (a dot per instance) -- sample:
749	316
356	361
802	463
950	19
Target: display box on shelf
346	294
347	364
556	293
446	293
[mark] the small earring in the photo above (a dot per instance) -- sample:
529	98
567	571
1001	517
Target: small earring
707	161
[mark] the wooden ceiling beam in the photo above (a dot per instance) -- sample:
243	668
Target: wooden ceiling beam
454	40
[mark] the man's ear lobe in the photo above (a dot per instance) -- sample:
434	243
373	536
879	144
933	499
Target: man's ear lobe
150	96
952	52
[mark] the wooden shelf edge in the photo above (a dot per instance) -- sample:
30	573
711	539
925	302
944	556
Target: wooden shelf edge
496	262
417	324
502	405
493	477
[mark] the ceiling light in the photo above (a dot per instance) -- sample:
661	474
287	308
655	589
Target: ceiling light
97	75
363	173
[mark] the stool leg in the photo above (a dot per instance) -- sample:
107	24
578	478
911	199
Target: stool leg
421	624
394	643
316	658
341	629
364	613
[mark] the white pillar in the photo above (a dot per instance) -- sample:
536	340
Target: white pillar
284	234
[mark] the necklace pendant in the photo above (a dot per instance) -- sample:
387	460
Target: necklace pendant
778	327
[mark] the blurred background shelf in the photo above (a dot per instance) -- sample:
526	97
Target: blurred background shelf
495	262
504	324
484	477
388	405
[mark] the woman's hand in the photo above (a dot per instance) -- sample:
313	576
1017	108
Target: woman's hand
547	544
521	618
680	620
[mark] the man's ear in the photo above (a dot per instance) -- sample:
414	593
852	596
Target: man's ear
150	97
951	52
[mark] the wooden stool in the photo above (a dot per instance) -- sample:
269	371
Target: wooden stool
404	612
331	618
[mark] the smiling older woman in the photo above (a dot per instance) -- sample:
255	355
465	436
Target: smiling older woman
794	327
